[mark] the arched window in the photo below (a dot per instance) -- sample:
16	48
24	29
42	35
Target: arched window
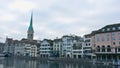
98	48
108	48
103	48
119	49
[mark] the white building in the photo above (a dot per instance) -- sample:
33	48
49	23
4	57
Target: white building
30	50
33	51
2	45
19	48
9	46
87	46
77	51
46	48
57	47
67	44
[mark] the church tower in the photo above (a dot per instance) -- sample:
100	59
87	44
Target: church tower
30	32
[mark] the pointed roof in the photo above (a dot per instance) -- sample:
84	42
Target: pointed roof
31	24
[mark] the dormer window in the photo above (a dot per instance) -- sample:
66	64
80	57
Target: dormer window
113	28
103	29
119	27
108	29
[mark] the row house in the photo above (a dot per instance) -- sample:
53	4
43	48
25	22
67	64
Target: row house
30	50
30	47
46	48
67	46
9	47
88	47
77	48
22	47
2	45
68	42
57	47
106	42
19	48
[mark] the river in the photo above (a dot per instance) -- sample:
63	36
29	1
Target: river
25	63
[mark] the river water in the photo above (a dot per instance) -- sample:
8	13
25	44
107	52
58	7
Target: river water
25	63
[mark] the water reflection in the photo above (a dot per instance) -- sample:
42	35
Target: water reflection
25	63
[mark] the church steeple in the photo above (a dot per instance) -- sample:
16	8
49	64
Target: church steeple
30	32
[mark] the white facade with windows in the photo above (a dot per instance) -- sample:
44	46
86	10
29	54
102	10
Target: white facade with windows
34	51
46	48
77	53
30	50
19	49
67	44
87	47
9	47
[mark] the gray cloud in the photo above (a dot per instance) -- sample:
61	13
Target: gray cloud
53	18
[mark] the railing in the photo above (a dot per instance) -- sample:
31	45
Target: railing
104	52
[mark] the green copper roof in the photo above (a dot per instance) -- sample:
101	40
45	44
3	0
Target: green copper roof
31	25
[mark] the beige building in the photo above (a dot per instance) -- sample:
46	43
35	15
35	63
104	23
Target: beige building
106	42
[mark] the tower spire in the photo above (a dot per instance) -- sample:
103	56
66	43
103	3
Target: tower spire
31	22
30	29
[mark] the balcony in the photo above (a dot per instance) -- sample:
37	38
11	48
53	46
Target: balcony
104	52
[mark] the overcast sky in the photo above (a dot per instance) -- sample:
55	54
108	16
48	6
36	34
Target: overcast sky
55	18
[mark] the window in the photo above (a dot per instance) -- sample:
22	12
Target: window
108	39
89	44
108	34
113	28
113	34
119	33
97	38
119	42
98	48
108	48
113	43
103	48
113	38
102	37
103	29
108	29
119	49
119	27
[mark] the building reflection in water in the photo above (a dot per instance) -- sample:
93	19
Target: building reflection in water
25	63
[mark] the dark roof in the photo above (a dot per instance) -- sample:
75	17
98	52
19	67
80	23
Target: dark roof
57	40
105	29
67	36
49	41
87	35
9	40
87	40
2	44
24	41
